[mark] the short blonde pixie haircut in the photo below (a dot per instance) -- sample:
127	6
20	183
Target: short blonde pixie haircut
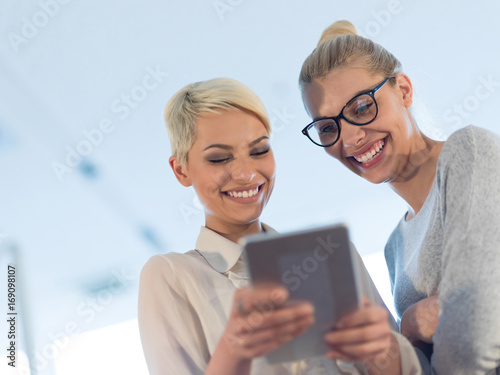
215	95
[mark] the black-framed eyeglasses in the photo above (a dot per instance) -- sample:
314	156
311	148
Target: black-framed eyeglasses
360	110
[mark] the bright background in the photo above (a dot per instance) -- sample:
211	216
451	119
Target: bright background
79	229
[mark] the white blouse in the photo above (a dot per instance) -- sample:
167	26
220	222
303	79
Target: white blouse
184	304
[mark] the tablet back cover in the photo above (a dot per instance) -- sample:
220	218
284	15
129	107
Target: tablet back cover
314	265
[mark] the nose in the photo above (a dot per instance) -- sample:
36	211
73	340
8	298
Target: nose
352	135
243	171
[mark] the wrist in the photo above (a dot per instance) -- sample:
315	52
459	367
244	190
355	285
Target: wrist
228	347
407	324
387	362
225	360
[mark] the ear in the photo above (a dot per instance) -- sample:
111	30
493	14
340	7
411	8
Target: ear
405	87
180	172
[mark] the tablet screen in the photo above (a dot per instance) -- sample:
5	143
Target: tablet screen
314	265
304	276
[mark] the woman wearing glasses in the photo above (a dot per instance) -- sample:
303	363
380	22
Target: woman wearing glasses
196	315
444	255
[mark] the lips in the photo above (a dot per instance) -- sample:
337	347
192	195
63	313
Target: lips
372	153
247	192
244	193
369	155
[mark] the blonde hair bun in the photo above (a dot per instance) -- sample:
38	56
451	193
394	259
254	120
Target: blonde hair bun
336	29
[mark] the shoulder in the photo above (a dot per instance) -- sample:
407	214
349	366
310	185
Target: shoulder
470	151
474	132
472	140
168	260
168	266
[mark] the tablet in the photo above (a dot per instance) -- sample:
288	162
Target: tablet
315	265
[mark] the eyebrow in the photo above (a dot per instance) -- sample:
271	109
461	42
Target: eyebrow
352	97
359	93
227	147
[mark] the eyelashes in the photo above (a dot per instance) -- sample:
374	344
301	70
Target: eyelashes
218	161
225	159
261	152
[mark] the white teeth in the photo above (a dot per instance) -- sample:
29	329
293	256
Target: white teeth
243	194
370	155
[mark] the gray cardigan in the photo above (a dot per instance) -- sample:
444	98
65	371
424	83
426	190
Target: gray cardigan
452	247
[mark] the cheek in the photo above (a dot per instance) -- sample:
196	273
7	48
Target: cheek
219	178
269	167
272	171
271	183
210	182
333	151
272	177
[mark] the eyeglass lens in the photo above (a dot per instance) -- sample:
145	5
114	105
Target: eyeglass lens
359	111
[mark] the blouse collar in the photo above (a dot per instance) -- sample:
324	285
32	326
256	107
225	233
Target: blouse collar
221	253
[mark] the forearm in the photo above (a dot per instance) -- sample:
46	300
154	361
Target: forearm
419	321
468	334
224	362
387	363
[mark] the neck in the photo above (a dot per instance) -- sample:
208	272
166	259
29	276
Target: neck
416	180
234	232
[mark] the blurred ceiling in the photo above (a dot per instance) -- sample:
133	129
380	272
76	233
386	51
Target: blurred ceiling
86	192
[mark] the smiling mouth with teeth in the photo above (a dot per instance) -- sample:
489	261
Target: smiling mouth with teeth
375	151
243	194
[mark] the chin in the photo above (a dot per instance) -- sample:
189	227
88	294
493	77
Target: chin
249	219
373	179
376	182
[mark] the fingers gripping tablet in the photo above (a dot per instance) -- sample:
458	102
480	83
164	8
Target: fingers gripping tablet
314	265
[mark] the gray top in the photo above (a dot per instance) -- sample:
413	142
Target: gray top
452	247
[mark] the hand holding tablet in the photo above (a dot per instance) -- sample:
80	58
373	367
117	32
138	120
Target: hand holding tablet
314	265
261	320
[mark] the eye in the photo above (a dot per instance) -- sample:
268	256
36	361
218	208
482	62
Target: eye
218	158
329	128
218	161
363	107
326	127
260	152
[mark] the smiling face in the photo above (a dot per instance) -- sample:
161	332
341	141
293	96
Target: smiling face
231	167
379	151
